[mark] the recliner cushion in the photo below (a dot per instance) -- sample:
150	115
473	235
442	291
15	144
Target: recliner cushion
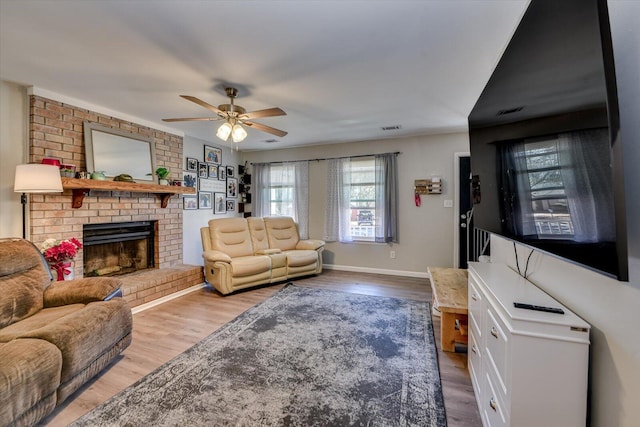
231	236
39	320
299	258
23	279
282	232
250	265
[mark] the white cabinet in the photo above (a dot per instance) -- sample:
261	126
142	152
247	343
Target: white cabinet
528	368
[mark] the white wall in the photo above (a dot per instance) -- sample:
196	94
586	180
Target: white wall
194	219
426	232
14	106
610	306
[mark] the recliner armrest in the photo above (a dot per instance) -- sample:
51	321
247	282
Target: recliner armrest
215	256
81	291
310	244
268	251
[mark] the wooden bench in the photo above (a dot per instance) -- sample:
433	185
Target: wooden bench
449	286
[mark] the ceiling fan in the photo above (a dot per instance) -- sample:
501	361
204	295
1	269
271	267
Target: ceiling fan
234	116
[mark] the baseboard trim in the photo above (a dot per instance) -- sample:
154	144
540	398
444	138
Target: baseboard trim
418	274
156	302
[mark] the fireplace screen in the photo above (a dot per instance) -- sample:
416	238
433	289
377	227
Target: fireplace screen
118	248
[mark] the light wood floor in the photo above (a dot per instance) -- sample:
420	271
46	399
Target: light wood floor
164	331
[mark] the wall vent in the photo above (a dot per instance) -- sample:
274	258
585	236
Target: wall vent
394	127
270	141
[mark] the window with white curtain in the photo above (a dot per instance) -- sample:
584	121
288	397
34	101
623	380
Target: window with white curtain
362	199
282	189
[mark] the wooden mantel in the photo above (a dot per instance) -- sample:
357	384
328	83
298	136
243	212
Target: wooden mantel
81	188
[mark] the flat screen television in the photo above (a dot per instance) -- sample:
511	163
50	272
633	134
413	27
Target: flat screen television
546	157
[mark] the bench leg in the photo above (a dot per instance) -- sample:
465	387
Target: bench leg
448	331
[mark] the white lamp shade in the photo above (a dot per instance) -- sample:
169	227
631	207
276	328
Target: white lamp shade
238	134
224	131
35	178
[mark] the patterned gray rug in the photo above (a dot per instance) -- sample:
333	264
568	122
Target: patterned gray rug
303	357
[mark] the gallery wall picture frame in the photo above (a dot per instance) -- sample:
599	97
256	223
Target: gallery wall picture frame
222	173
213	171
231	205
232	187
230	171
203	170
192	164
190	179
204	200
212	155
189	202
219	203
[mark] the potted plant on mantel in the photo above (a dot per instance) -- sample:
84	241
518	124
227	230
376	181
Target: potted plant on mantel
162	173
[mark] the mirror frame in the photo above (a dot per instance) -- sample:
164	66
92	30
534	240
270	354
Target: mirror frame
95	133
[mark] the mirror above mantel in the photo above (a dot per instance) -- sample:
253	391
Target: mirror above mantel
115	152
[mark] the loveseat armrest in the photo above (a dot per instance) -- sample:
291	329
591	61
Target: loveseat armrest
81	291
268	251
310	244
215	256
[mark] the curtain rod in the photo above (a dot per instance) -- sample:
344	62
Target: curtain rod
324	158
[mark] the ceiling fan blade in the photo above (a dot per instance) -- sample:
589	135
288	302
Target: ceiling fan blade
269	112
265	128
205	105
193	119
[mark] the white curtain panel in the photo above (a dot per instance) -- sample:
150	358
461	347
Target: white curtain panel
262	183
386	182
338	211
301	197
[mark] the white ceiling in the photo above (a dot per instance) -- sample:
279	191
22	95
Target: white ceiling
340	69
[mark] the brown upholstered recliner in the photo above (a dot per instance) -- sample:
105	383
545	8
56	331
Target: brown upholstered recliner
240	253
54	336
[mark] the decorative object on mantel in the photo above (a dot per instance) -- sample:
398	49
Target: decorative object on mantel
81	188
60	255
123	177
34	178
68	170
98	175
162	174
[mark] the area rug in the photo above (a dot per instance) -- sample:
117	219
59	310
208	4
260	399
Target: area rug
303	357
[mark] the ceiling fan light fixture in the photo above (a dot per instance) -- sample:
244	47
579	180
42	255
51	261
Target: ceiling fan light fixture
224	131
238	134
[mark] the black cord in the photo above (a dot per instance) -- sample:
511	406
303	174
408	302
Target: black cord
515	251
527	265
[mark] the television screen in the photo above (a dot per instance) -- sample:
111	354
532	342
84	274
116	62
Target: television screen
545	155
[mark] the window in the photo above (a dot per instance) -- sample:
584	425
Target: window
281	191
362	199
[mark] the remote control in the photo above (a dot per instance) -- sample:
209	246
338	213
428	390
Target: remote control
538	308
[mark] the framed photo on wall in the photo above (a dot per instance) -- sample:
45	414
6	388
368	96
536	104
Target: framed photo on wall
203	170
230	172
192	164
231	205
204	200
220	203
189	202
232	187
222	173
212	155
213	171
190	179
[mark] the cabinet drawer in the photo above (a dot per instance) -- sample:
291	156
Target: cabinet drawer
475	363
475	301
497	342
494	411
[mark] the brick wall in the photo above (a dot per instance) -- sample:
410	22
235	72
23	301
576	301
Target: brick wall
56	130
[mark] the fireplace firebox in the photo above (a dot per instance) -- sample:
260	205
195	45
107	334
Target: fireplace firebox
118	248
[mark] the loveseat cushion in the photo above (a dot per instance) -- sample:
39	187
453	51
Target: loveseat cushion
39	320
231	236
282	232
23	279
29	376
299	258
250	265
85	334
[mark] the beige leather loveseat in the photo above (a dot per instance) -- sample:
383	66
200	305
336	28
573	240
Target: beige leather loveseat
54	336
244	252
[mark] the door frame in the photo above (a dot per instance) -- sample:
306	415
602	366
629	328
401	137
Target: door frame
456	204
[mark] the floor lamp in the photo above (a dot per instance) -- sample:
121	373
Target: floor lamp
35	178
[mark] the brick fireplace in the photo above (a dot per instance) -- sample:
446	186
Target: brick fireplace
56	130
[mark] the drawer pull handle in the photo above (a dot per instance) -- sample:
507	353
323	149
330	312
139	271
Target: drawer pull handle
494	332
474	297
492	404
473	348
